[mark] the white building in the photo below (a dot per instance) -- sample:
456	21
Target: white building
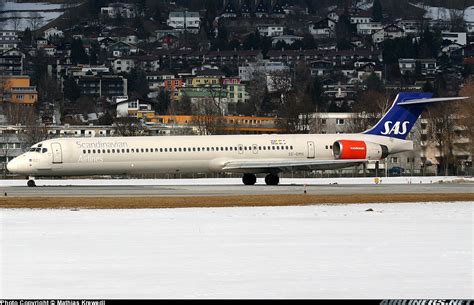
114	10
456	37
8	40
391	31
368	28
184	21
288	39
52	33
248	71
270	30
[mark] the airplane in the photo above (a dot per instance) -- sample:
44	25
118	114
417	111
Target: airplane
249	155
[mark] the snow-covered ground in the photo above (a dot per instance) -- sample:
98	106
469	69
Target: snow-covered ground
237	181
23	12
406	250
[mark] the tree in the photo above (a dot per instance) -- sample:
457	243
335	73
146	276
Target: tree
137	82
163	102
127	127
257	88
78	53
207	117
377	13
71	90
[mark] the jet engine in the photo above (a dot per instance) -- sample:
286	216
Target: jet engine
353	149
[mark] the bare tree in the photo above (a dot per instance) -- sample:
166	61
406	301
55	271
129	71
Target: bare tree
34	21
207	117
257	89
127	127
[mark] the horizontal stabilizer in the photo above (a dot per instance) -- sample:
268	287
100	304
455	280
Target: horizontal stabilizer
432	100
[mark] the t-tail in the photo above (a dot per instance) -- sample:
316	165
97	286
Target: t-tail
402	116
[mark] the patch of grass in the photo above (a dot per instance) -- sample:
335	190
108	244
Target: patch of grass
219	201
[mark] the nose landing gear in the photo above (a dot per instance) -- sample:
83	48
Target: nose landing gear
31	182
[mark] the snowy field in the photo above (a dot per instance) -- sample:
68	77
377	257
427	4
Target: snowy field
406	250
238	181
24	11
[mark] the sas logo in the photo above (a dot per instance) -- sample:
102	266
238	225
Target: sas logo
395	128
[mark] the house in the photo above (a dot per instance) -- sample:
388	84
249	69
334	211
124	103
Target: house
361	17
368	28
8	40
249	70
246	9
261	10
368	69
322	29
270	30
11	62
391	31
117	9
321	68
16	89
49	49
184	21
229	11
424	66
121	48
102	85
53	33
288	39
456	37
406	65
132	108
277	10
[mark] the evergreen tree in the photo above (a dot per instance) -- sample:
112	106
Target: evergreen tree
78	54
377	13
71	90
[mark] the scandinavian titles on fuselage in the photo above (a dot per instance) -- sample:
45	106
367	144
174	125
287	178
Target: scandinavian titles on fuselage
100	144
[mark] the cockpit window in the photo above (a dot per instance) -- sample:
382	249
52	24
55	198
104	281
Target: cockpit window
32	149
40	145
38	149
45	150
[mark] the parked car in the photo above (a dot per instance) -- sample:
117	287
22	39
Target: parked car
396	170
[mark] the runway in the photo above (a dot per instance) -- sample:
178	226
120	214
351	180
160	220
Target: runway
232	190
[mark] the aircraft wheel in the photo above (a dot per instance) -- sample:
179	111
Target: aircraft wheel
31	183
249	179
272	179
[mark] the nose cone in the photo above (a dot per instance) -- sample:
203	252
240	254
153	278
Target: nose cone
12	166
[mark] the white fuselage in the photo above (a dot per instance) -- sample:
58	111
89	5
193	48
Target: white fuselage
160	154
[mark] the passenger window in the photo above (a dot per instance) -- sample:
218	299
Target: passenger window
222	148
108	151
184	149
245	147
128	150
146	149
227	148
194	148
286	147
161	149
113	151
264	148
273	147
291	147
88	151
175	149
278	147
84	151
179	149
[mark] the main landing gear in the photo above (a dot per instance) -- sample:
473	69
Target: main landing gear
249	179
270	179
31	183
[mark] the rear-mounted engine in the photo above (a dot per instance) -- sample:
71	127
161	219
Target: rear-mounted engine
351	149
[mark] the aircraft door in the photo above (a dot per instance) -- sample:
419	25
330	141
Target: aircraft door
311	149
57	153
255	148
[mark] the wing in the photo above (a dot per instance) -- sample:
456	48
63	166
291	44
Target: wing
282	165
